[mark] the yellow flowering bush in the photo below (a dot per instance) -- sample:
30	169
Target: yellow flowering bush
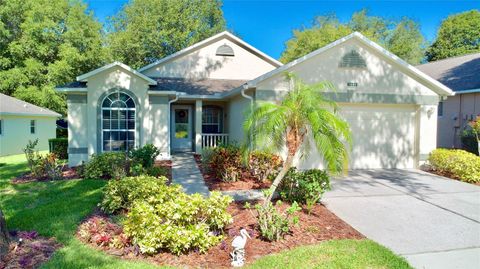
460	164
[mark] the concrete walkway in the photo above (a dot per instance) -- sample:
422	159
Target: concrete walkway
186	173
432	221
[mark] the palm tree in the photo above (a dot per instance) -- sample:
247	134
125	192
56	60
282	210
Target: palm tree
303	117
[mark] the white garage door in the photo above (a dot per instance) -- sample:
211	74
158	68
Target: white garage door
383	136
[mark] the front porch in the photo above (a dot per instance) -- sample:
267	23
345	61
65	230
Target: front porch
198	124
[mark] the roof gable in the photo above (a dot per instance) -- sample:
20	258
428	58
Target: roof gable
86	76
403	66
211	40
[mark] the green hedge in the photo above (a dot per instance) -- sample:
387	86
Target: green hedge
59	146
459	164
469	142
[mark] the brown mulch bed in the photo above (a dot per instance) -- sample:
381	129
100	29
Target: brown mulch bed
166	164
215	184
319	226
67	174
33	251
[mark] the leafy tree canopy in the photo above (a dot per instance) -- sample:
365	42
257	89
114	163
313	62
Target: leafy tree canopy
458	34
402	37
148	30
45	43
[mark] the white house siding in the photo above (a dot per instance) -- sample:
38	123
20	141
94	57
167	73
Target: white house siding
203	63
16	133
392	116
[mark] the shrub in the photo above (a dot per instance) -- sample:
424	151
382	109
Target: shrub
226	162
459	164
145	155
469	141
107	165
272	223
103	233
32	155
120	194
156	171
207	155
50	166
304	187
262	165
59	146
179	224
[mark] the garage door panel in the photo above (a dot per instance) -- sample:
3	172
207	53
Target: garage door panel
383	136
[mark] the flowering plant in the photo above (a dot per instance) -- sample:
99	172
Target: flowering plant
475	124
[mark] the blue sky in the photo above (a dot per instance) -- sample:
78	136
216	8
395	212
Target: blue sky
267	25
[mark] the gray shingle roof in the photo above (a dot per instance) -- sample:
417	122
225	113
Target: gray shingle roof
196	87
14	106
458	73
75	84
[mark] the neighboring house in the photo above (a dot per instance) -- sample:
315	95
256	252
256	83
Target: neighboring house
462	75
21	121
197	97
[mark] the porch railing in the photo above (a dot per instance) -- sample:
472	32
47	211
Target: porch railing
214	140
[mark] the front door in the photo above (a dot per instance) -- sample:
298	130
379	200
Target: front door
181	127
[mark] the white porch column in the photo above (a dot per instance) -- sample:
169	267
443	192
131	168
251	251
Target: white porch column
198	126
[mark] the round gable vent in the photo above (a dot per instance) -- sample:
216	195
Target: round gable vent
224	50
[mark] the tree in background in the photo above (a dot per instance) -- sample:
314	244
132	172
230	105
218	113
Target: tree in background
43	44
148	30
458	34
326	30
402	37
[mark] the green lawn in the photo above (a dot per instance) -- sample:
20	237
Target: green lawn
56	208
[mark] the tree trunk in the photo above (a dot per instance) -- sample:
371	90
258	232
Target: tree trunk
3	236
280	176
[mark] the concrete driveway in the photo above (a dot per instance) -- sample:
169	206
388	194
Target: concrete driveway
432	221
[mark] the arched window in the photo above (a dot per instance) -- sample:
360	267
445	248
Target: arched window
212	120
118	122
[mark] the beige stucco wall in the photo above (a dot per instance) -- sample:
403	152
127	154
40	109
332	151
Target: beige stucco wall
77	129
236	108
392	116
151	117
203	63
380	77
457	111
16	133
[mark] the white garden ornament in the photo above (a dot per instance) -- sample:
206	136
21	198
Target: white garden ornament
238	244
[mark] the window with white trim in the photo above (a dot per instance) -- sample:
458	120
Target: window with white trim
212	120
33	124
118	122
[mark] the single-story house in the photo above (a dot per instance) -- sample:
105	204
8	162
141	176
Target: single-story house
21	121
196	98
462	75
